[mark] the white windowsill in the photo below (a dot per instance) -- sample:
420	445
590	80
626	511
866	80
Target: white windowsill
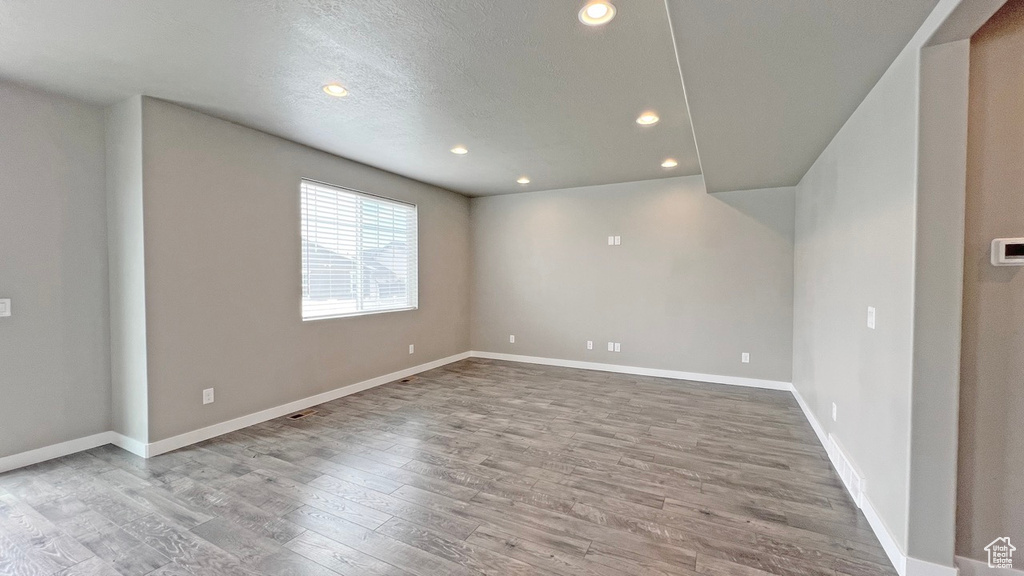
352	314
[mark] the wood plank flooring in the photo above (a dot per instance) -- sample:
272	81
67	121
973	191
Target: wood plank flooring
479	467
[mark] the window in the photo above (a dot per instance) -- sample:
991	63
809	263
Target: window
358	253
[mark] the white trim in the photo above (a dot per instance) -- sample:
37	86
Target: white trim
885	538
189	438
144	450
972	567
918	567
638	371
20	460
818	430
904	565
892	548
128	444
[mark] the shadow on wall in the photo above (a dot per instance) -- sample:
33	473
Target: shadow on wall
764	207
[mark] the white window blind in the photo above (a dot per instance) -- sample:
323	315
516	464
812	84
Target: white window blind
358	253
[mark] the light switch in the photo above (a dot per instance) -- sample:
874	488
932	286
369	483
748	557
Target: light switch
5	307
611	240
618	347
611	346
871	317
618	240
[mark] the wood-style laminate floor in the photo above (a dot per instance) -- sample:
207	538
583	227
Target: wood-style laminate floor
477	467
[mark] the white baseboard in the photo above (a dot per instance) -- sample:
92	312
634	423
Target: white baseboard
638	371
144	450
885	537
892	548
815	425
20	460
904	565
972	567
188	438
128	444
918	567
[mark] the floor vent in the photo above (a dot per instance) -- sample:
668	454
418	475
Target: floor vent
301	415
852	479
407	380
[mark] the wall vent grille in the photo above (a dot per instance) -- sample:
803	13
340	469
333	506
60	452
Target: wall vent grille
301	415
852	479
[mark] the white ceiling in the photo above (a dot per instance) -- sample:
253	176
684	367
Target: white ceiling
523	84
770	82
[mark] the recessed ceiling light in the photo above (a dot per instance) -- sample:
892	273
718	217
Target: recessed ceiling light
648	119
523	180
597	12
336	90
669	163
460	150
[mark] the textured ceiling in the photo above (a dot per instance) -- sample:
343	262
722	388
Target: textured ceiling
525	86
769	83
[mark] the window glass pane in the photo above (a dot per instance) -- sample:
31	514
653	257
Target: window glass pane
358	253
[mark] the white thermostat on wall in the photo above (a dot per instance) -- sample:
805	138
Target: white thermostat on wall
1008	252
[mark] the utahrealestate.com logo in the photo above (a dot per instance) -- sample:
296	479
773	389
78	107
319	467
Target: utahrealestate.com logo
1000	553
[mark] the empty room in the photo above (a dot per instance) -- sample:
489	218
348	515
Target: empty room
554	288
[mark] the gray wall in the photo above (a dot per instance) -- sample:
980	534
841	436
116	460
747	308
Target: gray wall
992	374
55	370
855	248
697	280
223	286
877	224
127	262
938	278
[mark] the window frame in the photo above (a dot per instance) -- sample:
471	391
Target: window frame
303	271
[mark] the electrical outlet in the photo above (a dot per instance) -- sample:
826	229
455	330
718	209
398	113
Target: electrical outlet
412	348
511	338
871	317
618	240
590	344
618	347
745	358
833	411
611	346
208	396
611	240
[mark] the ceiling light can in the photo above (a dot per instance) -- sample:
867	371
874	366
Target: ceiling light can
597	12
336	90
647	118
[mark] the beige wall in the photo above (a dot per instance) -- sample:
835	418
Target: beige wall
54	350
991	483
223	275
697	280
